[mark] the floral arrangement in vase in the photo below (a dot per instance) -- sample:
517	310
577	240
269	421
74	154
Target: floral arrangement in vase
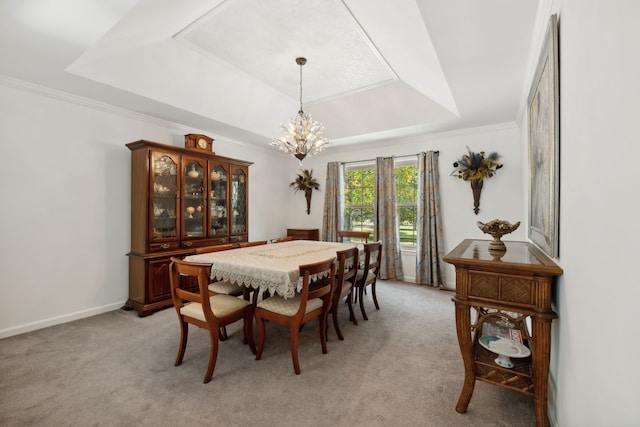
307	183
475	167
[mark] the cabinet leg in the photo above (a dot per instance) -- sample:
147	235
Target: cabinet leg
463	329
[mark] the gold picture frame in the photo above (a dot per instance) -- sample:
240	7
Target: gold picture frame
544	146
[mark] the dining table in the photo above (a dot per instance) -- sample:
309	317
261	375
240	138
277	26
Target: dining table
272	267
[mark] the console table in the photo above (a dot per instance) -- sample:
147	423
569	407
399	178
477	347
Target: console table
515	287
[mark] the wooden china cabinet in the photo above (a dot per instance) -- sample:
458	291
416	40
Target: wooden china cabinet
181	198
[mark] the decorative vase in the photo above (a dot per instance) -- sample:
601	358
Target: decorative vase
497	228
193	173
307	195
476	187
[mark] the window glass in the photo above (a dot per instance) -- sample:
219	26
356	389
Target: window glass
406	176
359	199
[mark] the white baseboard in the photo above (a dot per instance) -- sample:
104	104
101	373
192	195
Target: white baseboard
551	402
28	327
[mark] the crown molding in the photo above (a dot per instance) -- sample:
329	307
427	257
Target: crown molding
63	96
86	102
413	137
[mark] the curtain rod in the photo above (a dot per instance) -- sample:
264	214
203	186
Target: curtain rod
407	156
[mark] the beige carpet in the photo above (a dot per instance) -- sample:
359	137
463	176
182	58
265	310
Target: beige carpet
400	368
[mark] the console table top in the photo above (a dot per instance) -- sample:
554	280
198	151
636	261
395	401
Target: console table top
519	257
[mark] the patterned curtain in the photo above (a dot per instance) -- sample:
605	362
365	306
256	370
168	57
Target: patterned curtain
332	217
387	221
430	246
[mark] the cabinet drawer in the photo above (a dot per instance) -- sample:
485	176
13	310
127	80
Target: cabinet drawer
502	288
155	247
211	242
236	239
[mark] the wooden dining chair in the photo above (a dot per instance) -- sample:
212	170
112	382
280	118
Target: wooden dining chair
256	243
206	311
227	287
313	301
368	275
221	286
214	248
346	272
350	234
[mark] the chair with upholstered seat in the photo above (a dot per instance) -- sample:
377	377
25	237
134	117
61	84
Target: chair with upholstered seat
204	310
226	287
368	275
346	272
351	234
222	286
313	301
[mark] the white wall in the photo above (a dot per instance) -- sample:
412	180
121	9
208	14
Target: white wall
65	216
65	207
501	195
65	225
595	349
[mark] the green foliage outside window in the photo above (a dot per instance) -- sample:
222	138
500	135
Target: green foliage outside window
407	202
359	198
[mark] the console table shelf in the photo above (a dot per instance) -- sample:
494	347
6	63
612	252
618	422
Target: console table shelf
518	378
515	284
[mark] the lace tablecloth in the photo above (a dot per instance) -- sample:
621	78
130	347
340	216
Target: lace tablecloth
272	267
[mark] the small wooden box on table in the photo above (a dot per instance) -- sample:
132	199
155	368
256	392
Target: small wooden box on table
515	284
304	233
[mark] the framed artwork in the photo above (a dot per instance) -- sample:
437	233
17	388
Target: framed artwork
544	150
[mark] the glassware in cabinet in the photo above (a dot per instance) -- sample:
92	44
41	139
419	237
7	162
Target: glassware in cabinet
164	196
238	199
193	198
218	184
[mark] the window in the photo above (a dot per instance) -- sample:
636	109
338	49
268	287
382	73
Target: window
359	196
359	199
406	176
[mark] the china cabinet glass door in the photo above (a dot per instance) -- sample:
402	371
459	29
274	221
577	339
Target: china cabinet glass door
218	187
238	200
193	205
164	197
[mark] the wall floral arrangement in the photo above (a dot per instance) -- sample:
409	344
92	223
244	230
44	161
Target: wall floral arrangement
475	168
307	183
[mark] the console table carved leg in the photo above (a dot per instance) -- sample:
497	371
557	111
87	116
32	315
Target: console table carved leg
463	322
541	351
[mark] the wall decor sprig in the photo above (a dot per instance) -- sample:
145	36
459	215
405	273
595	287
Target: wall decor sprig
306	183
475	168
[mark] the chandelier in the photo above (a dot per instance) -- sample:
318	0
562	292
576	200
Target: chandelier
302	136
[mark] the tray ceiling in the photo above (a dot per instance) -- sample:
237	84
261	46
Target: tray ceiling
376	69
